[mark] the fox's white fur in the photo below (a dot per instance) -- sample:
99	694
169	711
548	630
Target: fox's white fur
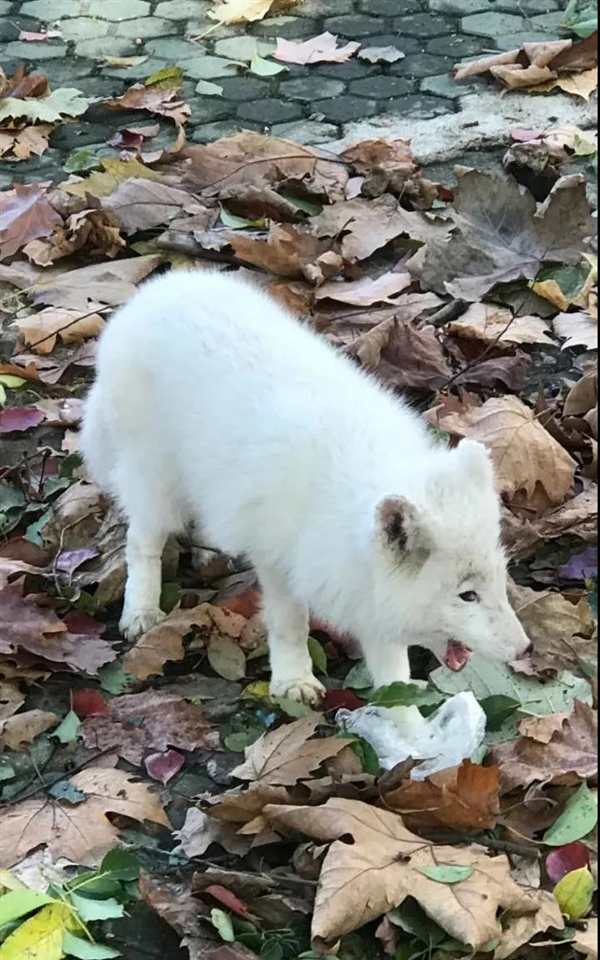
213	404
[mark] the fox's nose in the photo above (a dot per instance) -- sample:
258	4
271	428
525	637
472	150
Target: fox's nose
526	652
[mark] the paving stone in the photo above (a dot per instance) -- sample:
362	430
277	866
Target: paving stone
306	132
101	46
72	136
50	10
459	46
100	86
146	28
83	28
353	27
424	25
420	107
208	68
315	9
389	8
421	65
380	88
352	70
174	50
445	86
65	72
288	27
209	109
45	50
508	41
209	132
548	21
117	9
244	88
182	9
269	112
344	109
5	6
405	44
309	88
463	8
137	72
197	28
243	48
493	24
10	30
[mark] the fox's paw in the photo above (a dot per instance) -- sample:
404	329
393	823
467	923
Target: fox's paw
136	622
307	690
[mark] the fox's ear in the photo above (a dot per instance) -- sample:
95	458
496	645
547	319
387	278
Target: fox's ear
404	528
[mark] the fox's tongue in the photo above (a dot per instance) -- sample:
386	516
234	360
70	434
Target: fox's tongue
457	655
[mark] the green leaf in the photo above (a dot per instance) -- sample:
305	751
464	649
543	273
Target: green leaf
411	918
293	708
67	731
89	909
226	658
18	903
170	595
299	203
222	922
579	817
208	89
86	950
242	739
317	655
265	68
358	677
82	159
498	708
11	381
66	790
574	893
66	101
446	873
365	752
120	865
115	680
33	532
167	77
271	950
401	694
239	223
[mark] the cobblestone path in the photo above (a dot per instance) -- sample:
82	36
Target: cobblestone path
316	104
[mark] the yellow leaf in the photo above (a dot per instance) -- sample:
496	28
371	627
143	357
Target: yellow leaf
259	690
244	11
574	893
9	882
578	84
41	937
101	183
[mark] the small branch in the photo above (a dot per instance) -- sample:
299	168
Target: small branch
506	846
446	314
63	776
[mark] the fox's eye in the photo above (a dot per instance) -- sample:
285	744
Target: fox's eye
469	596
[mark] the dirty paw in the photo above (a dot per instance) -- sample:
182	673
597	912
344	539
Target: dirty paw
307	690
133	625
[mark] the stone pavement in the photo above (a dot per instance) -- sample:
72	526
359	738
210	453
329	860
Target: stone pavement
323	103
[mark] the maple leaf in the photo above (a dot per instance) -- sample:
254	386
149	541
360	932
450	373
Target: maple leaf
141	204
493	324
567	758
25	214
286	755
463	798
107	283
25	142
81	833
164	101
246	11
388	165
95	230
561	631
113	171
385	863
41	330
316	50
402	354
288	252
65	101
531	467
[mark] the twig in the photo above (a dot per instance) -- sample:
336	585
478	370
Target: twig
506	846
449	312
63	776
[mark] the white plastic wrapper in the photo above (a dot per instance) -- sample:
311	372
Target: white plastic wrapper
445	739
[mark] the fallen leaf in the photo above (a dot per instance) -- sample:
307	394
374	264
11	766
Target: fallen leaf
574	893
11	698
226	658
246	11
82	833
578	329
199	831
561	631
389	166
156	98
493	324
462	798
530	465
19	419
569	757
288	252
403	355
577	819
103	182
24	727
41	330
287	755
154	720
124	61
316	50
382	866
25	214
564	859
363	293
65	101
500	235
25	142
380	54
107	283
586	941
42	935
96	231
164	766
141	204
174	903
521	930
578	84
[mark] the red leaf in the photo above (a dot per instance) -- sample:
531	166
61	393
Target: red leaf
164	766
246	604
341	699
89	703
80	623
563	860
19	419
229	900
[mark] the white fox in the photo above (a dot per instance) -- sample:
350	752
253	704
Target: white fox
212	404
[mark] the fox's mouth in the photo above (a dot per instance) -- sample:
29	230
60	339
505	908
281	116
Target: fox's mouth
457	655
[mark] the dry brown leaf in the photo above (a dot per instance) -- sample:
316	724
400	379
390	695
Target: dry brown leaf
365	292
542	729
569	757
81	833
586	941
583	396
25	142
286	755
561	631
175	905
521	930
103	182
41	330
11	697
463	798
361	880
365	226
25	727
288	252
578	329
242	806
403	355
156	99
494	324
165	641
246	11
531	467
577	84
95	230
389	166
142	204
109	283
316	50
25	214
